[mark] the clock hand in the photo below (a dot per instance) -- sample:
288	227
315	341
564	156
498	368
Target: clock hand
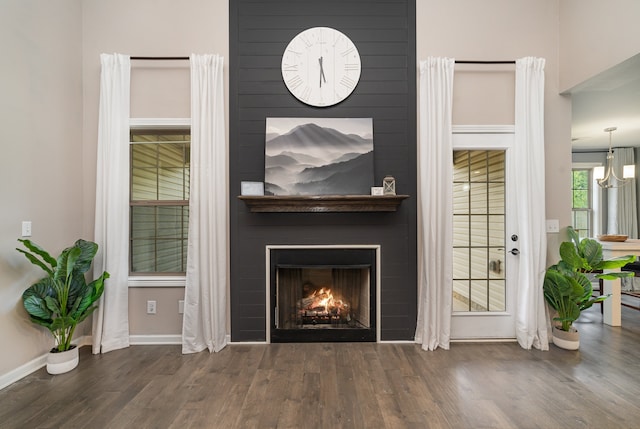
321	73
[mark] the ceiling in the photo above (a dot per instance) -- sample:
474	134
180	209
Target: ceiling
610	99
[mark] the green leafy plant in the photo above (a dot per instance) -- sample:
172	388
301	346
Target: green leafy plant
63	298
567	289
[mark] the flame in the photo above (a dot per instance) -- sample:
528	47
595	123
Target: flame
323	301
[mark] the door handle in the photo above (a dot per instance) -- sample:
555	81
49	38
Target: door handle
514	252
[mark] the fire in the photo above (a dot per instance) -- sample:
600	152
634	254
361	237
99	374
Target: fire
321	302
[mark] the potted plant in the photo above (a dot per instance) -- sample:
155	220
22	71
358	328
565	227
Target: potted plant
568	290
63	298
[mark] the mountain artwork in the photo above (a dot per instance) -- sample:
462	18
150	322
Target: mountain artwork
318	156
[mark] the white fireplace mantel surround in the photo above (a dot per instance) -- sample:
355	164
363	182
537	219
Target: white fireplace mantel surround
270	247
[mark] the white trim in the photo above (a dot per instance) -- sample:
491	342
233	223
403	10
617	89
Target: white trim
158	123
466	325
162	124
483	129
22	371
481	313
146	340
85	340
586	165
483	141
35	364
485	340
157	281
267	252
169	339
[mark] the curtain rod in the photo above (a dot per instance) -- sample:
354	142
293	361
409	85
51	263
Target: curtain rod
592	151
457	61
484	62
159	58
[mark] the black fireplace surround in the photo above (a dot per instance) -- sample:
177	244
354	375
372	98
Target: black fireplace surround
259	32
323	295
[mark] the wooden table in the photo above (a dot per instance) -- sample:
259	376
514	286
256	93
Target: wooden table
612	306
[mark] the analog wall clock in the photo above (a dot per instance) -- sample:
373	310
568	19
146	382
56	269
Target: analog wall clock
321	66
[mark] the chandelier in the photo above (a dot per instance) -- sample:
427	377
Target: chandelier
608	178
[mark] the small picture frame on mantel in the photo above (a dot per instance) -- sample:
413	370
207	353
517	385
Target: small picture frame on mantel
252	188
377	190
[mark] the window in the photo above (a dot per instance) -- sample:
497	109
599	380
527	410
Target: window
581	197
479	230
159	199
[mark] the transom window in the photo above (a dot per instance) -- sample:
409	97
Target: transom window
159	198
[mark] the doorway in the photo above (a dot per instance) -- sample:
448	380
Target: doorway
485	255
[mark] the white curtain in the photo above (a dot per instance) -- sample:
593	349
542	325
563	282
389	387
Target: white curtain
531	320
622	213
110	321
435	211
205	302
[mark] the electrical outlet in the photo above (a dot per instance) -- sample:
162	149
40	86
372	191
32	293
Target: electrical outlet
151	307
553	225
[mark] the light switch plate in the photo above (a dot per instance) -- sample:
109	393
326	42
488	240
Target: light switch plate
26	228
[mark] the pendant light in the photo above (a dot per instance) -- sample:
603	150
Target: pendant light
608	178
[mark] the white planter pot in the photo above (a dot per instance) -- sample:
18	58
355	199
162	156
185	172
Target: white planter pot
566	340
61	362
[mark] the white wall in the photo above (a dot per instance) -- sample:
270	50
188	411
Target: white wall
158	90
504	30
595	35
41	169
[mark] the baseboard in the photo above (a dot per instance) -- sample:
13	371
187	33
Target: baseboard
22	371
86	340
484	340
139	340
34	365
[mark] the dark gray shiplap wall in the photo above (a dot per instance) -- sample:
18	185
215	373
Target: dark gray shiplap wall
384	32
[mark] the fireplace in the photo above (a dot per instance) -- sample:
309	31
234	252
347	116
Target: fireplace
322	294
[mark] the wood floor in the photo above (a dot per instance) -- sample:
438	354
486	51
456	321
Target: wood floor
358	385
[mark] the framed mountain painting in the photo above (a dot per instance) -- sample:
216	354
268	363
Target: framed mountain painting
318	156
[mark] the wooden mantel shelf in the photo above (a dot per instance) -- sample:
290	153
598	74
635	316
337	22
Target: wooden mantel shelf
322	203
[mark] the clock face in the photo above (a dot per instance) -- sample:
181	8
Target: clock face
321	66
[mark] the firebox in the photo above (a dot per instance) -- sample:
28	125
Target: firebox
322	294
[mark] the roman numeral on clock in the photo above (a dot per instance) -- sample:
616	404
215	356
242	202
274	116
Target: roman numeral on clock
306	40
348	51
294	82
304	95
347	82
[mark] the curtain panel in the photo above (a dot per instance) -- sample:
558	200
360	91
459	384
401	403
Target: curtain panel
435	210
622	209
111	319
531	318
205	302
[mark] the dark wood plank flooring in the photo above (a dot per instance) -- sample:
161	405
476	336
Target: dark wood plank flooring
355	385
